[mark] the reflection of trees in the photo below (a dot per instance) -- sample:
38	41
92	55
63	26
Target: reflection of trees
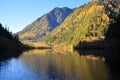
70	66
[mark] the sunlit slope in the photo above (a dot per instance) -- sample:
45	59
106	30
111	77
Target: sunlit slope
45	24
87	23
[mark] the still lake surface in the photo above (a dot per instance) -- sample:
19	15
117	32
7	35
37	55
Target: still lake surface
48	65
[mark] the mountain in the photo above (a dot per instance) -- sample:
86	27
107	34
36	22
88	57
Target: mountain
45	24
89	23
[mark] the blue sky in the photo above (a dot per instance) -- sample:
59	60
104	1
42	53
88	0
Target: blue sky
17	14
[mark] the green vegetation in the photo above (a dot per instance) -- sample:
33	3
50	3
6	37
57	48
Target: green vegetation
95	25
87	23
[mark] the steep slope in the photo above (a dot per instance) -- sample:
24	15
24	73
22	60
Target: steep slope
87	23
7	41
45	24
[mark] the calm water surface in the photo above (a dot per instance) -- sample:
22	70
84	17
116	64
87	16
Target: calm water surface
48	65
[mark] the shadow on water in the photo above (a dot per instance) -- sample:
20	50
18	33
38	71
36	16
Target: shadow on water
4	55
111	60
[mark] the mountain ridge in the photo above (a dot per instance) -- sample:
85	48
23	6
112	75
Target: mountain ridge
45	24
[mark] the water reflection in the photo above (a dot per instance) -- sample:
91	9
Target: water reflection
47	65
69	66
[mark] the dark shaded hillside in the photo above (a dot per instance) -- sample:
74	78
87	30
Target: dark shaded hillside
7	41
10	46
113	41
5	33
45	24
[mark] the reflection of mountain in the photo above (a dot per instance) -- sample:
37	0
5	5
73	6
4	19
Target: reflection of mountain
64	66
45	24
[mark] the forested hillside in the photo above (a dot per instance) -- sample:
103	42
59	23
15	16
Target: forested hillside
7	41
88	23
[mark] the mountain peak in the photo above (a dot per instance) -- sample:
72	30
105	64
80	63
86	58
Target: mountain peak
45	24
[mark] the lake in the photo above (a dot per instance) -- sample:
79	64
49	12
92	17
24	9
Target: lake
50	65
